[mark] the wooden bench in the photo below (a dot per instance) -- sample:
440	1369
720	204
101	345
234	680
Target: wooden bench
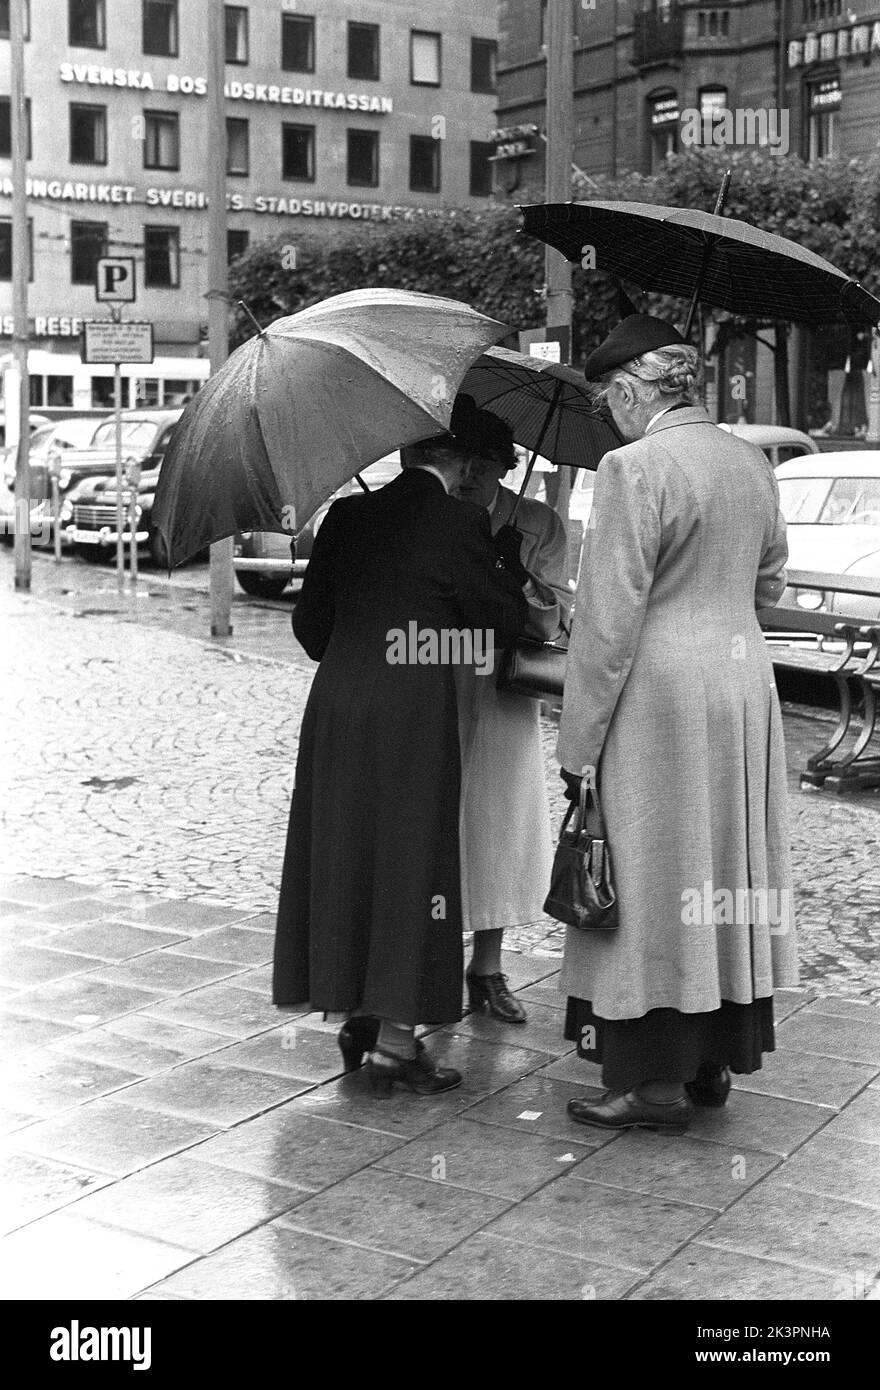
854	667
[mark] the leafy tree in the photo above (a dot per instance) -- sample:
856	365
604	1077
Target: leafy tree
831	207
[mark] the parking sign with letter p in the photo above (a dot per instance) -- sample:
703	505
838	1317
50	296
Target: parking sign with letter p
114	280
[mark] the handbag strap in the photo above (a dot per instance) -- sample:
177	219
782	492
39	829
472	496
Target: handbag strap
589	794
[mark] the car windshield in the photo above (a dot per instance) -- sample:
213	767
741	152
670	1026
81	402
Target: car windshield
830	501
74	434
136	434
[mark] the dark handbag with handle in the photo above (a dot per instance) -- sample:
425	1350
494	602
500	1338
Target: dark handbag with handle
533	668
581	885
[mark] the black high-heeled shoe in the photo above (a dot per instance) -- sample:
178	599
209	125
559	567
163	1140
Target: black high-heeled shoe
419	1074
357	1036
491	992
710	1087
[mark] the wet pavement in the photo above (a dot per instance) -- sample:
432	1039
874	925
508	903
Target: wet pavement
171	1134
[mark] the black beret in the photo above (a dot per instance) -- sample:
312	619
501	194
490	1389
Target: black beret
634	335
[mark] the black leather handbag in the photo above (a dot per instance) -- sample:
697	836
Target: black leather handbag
533	668
581	885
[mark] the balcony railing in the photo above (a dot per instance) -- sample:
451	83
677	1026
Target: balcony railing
657	35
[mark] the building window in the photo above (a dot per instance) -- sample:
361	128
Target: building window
162	257
88	242
297	43
51	391
6	248
663	118
823	118
363	158
159	28
236	34
237	145
424	164
161	140
712	106
88	134
363	52
237	239
424	58
484	56
298	152
6	127
481	168
4	19
85	24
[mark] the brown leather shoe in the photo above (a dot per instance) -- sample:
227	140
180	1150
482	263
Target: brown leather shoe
491	992
616	1110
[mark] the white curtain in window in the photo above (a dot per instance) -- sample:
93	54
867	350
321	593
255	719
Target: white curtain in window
426	58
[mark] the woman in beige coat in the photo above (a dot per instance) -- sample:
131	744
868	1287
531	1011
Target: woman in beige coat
670	703
506	846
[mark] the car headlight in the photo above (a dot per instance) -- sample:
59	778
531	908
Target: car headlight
811	599
66	512
64	478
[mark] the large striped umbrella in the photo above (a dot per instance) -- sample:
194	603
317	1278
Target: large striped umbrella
301	407
731	264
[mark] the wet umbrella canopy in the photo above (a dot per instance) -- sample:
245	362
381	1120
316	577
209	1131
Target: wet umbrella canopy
546	405
737	267
298	409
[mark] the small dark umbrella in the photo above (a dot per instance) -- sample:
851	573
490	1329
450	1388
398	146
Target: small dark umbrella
731	264
546	406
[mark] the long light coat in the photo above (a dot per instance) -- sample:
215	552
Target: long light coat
506	847
670	694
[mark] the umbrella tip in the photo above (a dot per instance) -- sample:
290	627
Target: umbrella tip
253	320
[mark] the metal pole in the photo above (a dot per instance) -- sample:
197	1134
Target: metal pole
218	284
873	434
560	140
120	508
20	257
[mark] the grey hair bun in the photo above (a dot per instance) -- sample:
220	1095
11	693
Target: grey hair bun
672	370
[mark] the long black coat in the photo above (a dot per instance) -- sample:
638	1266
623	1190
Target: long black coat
370	908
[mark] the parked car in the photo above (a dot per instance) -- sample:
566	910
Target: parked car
831	504
89	510
778	442
263	560
52	446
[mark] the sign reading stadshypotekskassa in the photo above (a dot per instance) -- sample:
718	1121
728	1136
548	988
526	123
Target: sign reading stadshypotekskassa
106	342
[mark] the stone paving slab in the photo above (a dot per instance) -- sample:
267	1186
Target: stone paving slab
701	1271
63	1256
783	1223
488	1267
188	1203
276	1262
428	1217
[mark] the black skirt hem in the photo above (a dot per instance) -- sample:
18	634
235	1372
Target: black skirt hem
666	1045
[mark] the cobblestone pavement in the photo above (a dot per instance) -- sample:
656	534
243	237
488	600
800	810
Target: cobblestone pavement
170	1134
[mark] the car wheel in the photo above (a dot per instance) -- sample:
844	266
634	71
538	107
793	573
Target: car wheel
262	585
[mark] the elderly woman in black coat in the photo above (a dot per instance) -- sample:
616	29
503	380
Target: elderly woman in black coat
369	919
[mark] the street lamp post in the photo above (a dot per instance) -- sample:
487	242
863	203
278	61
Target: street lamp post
20	271
218	284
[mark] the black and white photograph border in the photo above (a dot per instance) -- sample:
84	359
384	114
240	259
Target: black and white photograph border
528	348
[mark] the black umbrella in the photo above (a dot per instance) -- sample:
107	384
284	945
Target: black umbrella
724	262
546	406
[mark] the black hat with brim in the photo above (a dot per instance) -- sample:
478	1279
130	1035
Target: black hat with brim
635	334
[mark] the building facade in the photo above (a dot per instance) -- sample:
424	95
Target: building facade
338	116
653	76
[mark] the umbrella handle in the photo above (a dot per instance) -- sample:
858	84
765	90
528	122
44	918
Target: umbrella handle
557	392
362	483
707	251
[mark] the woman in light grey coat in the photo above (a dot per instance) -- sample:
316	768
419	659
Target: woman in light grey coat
506	846
670	703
